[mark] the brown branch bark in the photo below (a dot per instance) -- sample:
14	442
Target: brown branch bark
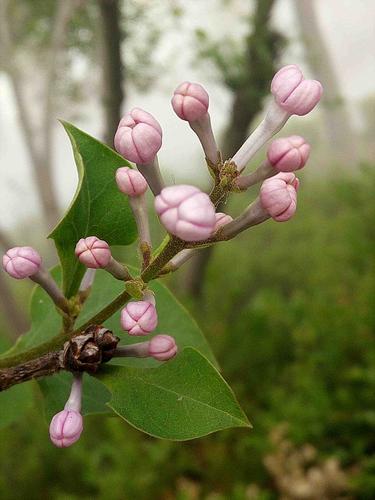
85	352
113	70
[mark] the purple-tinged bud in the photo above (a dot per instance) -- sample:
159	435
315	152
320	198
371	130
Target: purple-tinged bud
285	81
25	262
186	212
139	318
190	101
294	94
138	137
162	347
93	252
222	219
22	262
304	98
66	428
130	182
288	154
67	425
278	196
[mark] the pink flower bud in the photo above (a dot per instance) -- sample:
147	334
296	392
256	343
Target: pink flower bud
21	262
186	212
131	182
294	94
221	219
285	81
138	137
139	318
304	98
190	101
66	428
278	196
162	347
288	153
93	253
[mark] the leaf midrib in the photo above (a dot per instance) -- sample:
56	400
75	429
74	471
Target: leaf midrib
218	410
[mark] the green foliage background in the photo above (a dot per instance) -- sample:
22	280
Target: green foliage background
289	311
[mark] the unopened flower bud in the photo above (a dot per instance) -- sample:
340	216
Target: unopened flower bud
139	318
190	101
285	81
288	154
22	262
278	196
294	94
162	347
186	212
138	137
67	425
96	254
93	252
130	182
221	220
66	428
25	262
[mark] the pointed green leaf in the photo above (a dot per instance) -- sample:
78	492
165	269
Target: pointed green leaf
183	399
46	322
98	208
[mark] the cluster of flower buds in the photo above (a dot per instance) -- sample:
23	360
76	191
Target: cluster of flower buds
188	214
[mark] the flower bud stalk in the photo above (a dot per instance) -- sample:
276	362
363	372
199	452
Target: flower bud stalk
264	171
117	270
253	215
45	280
272	123
138	350
139	207
203	130
151	172
75	398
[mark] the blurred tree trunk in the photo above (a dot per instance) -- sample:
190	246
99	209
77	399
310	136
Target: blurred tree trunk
338	127
113	71
39	145
261	53
15	318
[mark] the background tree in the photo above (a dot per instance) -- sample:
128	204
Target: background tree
338	129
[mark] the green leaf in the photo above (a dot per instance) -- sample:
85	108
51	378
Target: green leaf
14	403
45	320
98	208
185	398
56	390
